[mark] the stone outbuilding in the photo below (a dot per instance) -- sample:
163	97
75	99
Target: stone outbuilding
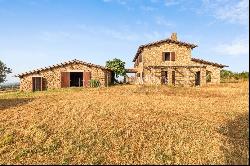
73	73
170	62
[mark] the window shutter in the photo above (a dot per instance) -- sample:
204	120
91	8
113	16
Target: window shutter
140	58
86	78
163	56
65	79
172	56
43	83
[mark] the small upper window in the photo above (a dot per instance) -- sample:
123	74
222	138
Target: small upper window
166	56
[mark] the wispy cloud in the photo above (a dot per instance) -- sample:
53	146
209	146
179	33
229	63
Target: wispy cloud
227	10
238	47
121	2
122	33
163	22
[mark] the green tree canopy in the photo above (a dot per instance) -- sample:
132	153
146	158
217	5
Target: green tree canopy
227	75
3	72
117	66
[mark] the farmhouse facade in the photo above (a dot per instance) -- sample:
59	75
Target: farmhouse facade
73	73
166	62
170	62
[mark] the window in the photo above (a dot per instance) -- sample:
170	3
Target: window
164	77
208	76
168	56
138	75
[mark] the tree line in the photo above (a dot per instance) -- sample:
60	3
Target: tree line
227	75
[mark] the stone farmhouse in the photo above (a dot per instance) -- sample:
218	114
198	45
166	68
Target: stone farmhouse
73	73
166	62
170	62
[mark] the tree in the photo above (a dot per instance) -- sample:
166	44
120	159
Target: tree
3	71
118	68
229	75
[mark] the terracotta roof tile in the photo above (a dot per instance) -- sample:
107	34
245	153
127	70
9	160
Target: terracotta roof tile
207	62
163	41
62	64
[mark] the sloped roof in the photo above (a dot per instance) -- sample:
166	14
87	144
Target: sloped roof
75	61
131	70
163	41
207	62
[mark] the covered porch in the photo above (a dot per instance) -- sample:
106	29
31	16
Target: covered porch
180	75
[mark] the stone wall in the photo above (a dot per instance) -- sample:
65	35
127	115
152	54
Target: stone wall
152	56
52	77
215	72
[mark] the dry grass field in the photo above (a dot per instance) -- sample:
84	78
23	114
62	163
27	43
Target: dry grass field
126	125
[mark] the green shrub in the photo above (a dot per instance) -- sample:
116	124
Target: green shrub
94	83
227	75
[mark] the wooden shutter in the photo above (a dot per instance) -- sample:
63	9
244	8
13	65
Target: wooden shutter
65	79
163	57
140	58
44	84
172	56
36	83
86	78
33	84
173	77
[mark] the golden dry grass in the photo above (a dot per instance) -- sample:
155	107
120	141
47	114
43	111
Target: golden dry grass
126	125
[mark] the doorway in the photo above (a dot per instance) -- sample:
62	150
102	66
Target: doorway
76	79
164	77
197	78
37	84
173	77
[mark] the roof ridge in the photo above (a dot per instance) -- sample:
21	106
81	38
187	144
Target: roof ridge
161	41
208	62
59	65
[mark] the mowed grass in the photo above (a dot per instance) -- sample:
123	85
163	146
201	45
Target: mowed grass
126	125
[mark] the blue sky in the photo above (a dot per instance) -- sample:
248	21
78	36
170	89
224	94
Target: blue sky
38	33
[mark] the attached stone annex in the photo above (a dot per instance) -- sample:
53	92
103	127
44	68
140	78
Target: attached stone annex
170	62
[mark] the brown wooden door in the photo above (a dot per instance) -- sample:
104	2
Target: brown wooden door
164	77
65	79
173	77
36	83
86	78
197	78
44	84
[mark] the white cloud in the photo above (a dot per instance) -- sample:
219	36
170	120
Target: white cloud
237	47
228	10
163	22
121	35
121	2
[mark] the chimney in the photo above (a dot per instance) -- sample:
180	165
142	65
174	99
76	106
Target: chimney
174	36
